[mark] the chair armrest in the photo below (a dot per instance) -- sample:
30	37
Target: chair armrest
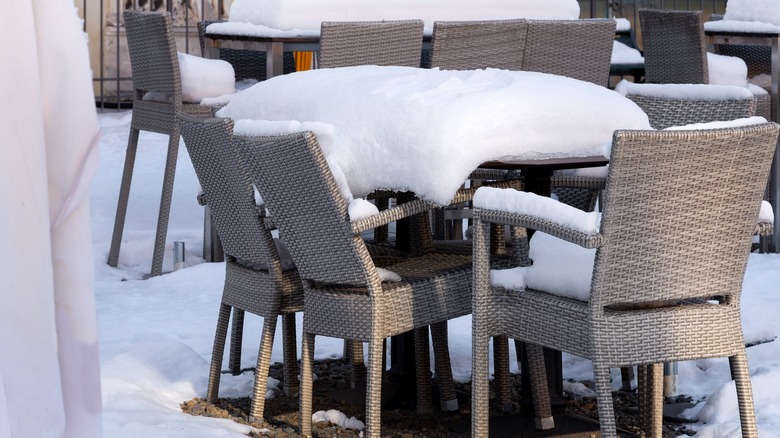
527	210
765	228
384	217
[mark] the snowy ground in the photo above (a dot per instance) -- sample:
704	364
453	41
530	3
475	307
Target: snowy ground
156	334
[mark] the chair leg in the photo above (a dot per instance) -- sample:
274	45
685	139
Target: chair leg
353	352
423	371
642	389
374	388
604	400
501	372
236	340
165	201
261	371
290	354
124	195
212	393
443	367
741	376
651	400
307	363
480	376
626	377
539	388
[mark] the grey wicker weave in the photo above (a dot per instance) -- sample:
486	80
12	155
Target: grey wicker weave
471	45
156	100
654	268
343	294
579	49
350	43
258	277
675	50
248	64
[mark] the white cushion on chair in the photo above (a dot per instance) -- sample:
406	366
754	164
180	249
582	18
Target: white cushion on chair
205	78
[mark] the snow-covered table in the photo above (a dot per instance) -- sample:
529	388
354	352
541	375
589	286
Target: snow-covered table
756	34
426	130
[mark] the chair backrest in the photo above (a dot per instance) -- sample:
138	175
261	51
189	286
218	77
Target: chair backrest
664	112
579	49
679	213
296	183
350	43
152	50
229	193
675	48
471	45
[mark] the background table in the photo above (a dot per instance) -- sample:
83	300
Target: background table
772	40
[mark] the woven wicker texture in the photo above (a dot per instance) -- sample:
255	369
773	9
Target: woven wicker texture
675	48
247	64
471	45
344	296
157	99
579	49
254	278
664	112
654	252
350	43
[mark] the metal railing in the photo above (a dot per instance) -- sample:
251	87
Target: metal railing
108	46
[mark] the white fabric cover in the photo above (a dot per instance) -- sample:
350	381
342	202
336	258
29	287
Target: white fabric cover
205	78
304	14
49	366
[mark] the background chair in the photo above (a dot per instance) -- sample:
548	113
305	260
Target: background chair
260	276
655	272
675	50
344	293
471	45
157	98
350	43
579	49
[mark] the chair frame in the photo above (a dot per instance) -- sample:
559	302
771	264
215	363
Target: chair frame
155	67
644	298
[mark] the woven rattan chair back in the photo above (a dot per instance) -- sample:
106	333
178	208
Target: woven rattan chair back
579	49
664	112
229	193
675	48
350	43
324	224
157	98
256	278
471	45
666	174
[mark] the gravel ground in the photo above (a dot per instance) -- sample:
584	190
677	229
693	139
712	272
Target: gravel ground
401	420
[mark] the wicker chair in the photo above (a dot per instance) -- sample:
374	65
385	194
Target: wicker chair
471	45
344	295
350	43
259	275
655	271
579	49
757	58
155	67
675	50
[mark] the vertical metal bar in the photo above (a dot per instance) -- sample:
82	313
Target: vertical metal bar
118	51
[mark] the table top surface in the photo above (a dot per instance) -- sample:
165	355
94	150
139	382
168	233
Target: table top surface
548	163
426	130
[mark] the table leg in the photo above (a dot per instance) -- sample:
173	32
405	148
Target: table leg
274	60
774	181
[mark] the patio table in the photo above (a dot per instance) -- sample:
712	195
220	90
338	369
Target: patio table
425	131
733	32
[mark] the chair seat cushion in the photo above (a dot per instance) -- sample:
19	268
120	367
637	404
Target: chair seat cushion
203	78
